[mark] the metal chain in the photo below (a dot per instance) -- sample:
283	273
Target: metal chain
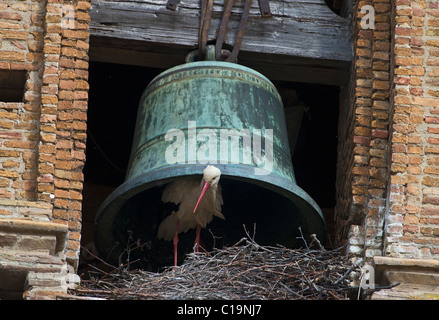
224	55
206	17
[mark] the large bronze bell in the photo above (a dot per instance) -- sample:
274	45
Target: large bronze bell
198	113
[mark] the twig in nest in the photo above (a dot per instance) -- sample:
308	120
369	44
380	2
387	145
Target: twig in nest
214	238
254	232
302	237
314	239
97	258
355	265
245	270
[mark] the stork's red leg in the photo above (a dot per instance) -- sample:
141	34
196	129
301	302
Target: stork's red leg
175	243
197	238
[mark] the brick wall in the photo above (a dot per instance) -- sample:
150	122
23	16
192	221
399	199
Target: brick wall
389	138
43	136
63	116
413	222
363	136
21	35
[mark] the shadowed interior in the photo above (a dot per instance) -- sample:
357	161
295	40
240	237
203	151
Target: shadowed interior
268	216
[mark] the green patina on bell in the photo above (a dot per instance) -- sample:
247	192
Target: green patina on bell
208	112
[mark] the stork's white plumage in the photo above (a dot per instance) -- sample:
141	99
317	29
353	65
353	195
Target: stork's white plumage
197	204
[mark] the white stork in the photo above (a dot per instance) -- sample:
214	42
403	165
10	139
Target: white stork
191	213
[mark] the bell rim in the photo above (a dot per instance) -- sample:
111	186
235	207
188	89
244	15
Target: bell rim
309	212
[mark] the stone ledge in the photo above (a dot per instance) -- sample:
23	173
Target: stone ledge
405	262
20	209
46	231
15	268
418	278
408	292
32	262
26	203
48	286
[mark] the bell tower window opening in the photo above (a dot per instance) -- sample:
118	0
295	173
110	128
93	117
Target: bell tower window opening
12	85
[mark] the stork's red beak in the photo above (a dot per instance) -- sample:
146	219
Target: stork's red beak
206	186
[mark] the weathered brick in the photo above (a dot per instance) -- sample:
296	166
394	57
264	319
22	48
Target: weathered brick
6	15
9	174
20	144
12	55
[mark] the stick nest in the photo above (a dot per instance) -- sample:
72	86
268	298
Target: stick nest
245	270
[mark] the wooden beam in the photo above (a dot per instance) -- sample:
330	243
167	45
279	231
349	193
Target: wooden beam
306	37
